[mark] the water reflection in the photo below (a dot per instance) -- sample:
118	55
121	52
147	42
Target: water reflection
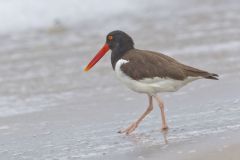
165	135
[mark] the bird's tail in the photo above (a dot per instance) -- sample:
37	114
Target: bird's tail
211	76
194	72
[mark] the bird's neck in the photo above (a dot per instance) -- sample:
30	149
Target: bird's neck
118	53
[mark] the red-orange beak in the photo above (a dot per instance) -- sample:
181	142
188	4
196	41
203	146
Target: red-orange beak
98	56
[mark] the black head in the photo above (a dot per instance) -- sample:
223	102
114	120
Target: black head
119	40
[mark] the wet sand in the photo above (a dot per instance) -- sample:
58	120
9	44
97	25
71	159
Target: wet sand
218	147
50	109
204	123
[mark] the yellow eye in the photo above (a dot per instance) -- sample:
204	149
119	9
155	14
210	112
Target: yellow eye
110	38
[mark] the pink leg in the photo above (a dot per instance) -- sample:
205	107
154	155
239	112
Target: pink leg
161	105
135	124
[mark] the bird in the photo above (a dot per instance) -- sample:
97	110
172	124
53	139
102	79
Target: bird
146	72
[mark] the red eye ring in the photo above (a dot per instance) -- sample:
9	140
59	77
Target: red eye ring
110	38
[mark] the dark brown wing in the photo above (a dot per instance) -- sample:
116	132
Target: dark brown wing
146	64
194	72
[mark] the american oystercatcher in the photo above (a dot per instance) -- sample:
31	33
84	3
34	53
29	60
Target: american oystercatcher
146	72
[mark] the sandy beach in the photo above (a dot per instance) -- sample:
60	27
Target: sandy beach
204	123
220	146
51	110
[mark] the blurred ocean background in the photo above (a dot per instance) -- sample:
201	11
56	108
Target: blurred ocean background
50	109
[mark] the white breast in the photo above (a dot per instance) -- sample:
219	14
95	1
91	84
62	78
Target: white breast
150	86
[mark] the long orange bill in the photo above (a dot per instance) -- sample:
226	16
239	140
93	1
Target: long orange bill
98	56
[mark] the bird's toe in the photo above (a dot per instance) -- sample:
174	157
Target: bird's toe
165	128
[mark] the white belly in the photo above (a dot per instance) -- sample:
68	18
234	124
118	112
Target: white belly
150	86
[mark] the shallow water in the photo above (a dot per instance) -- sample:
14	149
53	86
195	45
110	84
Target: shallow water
50	109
